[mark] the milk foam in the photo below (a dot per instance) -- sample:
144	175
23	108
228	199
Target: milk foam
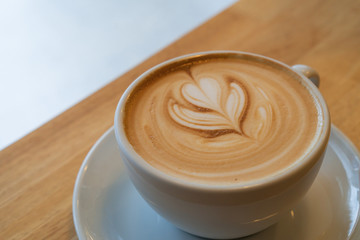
210	113
222	121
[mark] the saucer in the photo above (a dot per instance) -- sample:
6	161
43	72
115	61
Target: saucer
107	206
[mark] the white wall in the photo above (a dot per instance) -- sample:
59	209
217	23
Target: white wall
55	53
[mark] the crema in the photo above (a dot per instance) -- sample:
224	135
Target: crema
222	120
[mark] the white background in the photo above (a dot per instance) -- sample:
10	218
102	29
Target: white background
55	53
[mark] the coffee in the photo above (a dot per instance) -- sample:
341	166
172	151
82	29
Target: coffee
222	119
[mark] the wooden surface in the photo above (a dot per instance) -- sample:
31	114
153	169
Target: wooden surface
37	173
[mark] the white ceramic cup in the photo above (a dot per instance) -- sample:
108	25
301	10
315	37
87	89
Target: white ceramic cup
223	211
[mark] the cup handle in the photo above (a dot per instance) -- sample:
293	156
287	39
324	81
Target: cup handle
308	72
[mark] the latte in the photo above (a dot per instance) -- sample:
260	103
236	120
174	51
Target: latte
222	119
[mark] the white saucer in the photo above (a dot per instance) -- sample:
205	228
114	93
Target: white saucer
107	206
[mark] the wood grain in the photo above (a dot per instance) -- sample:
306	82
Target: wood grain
37	173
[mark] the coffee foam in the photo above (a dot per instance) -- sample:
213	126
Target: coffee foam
221	121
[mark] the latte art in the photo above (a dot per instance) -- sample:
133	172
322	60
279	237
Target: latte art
222	120
216	109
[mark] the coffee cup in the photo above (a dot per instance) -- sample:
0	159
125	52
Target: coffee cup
223	143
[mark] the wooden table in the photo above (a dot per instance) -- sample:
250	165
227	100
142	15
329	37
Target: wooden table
38	172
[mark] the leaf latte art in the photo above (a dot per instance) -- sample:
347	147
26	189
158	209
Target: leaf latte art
210	113
222	120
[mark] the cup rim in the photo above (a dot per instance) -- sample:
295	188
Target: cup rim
299	168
